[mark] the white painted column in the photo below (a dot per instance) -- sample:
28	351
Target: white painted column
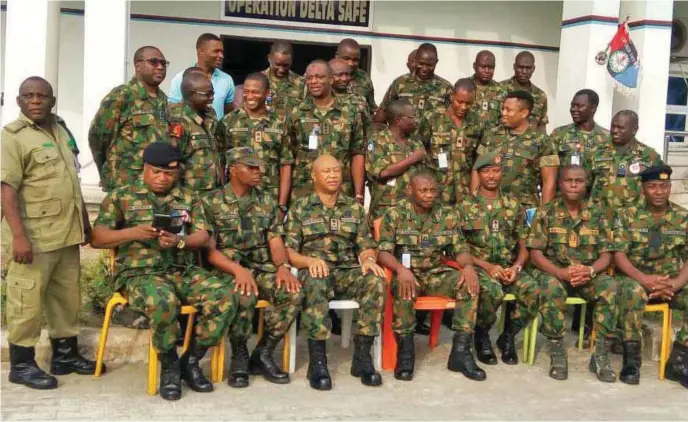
31	47
106	30
587	28
650	30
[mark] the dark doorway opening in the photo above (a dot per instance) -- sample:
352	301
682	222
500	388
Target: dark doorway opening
244	55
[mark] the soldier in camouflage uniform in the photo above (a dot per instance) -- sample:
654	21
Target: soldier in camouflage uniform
651	239
392	157
154	268
341	80
495	229
618	185
322	124
529	156
451	135
584	142
257	127
570	247
422	89
524	66
327	238
361	85
130	117
414	237
490	93
411	61
193	129
248	245
287	89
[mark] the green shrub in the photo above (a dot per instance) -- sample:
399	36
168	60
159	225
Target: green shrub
96	286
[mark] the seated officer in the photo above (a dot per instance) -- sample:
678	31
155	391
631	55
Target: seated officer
328	238
651	251
154	265
570	247
413	237
495	229
247	244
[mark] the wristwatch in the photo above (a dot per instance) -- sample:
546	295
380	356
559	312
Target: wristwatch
593	273
283	208
285	264
181	243
518	269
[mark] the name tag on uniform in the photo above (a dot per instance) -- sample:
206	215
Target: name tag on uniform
139	207
406	260
312	142
238	129
442	160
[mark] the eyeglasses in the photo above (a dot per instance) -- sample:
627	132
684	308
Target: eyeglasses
155	62
205	93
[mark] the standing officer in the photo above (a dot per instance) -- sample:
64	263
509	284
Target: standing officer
349	51
495	229
488	101
392	156
570	247
287	89
414	236
524	66
618	183
322	124
422	88
411	61
341	81
529	156
193	129
248	245
327	238
258	127
451	135
651	241
45	220
130	117
154	265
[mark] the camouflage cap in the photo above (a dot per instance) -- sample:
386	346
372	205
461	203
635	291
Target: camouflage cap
162	155
656	173
491	159
244	155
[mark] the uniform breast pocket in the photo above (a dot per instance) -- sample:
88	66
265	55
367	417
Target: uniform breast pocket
406	243
350	226
198	142
46	161
314	228
526	154
440	143
142	120
239	138
136	217
558	245
474	230
228	237
601	166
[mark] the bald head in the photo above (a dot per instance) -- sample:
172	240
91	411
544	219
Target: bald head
327	174
347	43
341	75
349	51
524	66
38	82
484	67
191	82
325	160
36	99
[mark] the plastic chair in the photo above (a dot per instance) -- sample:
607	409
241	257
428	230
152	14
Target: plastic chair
530	336
217	363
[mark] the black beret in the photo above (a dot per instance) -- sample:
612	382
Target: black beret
656	173
162	155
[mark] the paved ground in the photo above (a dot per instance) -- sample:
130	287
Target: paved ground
511	393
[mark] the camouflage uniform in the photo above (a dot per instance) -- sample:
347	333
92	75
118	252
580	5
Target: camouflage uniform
493	230
538	117
268	138
618	185
360	104
384	150
592	150
427	239
128	120
196	138
339	131
654	248
362	86
243	227
488	103
285	94
523	157
158	281
565	242
441	136
337	236
423	95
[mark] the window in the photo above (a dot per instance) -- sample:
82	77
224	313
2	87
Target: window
677	108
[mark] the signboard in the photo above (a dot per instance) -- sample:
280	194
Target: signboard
330	13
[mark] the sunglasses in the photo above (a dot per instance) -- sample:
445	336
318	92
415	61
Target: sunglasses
155	62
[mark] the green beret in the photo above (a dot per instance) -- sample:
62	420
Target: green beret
491	159
244	155
656	173
162	155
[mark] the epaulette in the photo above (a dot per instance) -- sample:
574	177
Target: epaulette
16	126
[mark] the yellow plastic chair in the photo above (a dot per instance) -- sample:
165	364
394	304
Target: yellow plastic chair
217	364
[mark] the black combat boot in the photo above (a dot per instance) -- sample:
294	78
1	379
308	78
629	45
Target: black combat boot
191	371
630	370
461	358
483	346
600	361
24	369
507	344
238	366
67	360
262	362
406	357
677	365
362	363
318	375
559	362
170	375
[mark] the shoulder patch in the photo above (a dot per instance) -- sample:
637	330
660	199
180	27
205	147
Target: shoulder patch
176	130
16	126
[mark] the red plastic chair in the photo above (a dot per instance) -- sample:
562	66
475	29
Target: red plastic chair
435	304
